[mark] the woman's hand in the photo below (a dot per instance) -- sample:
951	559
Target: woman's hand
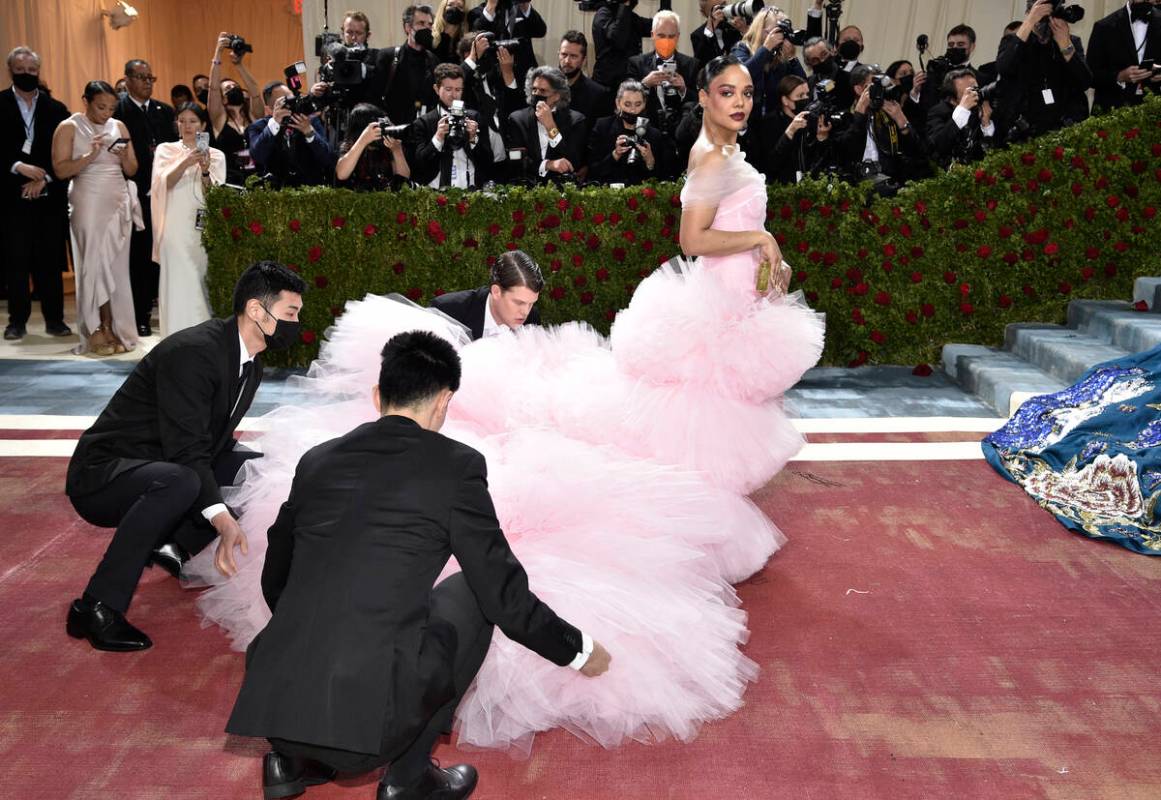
824	127
370	134
646	151
620	148
769	250
796	124
95	146
394	145
223	42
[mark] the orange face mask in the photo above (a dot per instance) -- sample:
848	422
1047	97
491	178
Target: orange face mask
665	47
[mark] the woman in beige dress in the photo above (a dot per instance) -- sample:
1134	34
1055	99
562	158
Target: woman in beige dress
94	150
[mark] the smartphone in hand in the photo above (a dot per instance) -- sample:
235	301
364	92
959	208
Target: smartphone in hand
118	145
203	141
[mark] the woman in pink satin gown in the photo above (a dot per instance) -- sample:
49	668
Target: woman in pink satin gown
619	467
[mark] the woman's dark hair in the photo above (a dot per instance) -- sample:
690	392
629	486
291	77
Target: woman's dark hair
715	68
263	281
893	68
788	85
195	109
416	366
360	117
94	88
517	268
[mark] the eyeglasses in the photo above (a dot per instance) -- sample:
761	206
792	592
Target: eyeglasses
146	78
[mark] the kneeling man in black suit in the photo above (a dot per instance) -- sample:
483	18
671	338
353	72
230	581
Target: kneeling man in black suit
363	662
509	302
152	464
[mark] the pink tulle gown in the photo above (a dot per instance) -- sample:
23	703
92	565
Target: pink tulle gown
619	469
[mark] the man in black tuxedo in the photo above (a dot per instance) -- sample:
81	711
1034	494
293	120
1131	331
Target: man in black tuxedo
152	463
150	122
960	127
509	302
405	71
822	58
511	19
363	662
356	35
1117	46
586	95
35	204
552	137
617	34
441	160
669	76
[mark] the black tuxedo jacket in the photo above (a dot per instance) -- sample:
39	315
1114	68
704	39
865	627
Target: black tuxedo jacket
1027	68
642	65
175	406
947	142
523	28
603	168
48	114
404	77
522	132
591	99
1111	48
617	35
427	163
146	130
350	659
469	306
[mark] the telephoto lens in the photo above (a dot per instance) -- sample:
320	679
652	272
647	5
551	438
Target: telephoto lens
747	10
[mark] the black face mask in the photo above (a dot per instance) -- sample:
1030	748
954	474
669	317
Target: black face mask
827	68
800	105
25	82
536	98
906	83
453	16
423	38
957	55
849	50
234	97
285	335
203	96
627	117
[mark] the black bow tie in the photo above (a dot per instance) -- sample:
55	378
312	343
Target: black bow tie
1139	12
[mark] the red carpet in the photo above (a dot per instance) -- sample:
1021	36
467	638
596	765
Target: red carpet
927	633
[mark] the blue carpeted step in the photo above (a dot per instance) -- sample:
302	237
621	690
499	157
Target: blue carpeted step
1063	353
1116	323
1149	290
996	375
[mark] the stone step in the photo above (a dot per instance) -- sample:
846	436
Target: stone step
1063	353
1116	323
997	377
1149	290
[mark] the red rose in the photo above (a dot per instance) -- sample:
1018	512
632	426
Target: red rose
632	203
1029	254
1005	231
518	231
1149	212
471	243
441	200
984	251
1036	237
490	261
579	281
549	248
549	222
602	274
1132	133
1064	287
1156	152
922	370
981	176
1051	249
1138	167
255	227
370	231
1140	305
917	252
557	293
1087	273
966	309
401	218
578	213
1058	153
1028	158
614	218
294	225
959	224
338	222
578	260
1112	201
916	277
1110	270
1123	214
1077	190
889	250
1033	185
927	310
859	360
863	253
882	299
882	229
610	315
619	254
905	231
830	258
1121	247
1010	257
562	204
857	316
878	337
1092	253
647	245
556	265
920	207
414	294
786	212
228	212
308	336
800	276
912	317
321	281
593	242
461	208
598	218
860	289
675	201
1028	291
1102	134
965	289
805	204
981	216
950	277
1045	175
1005	301
236	233
815	257
314	254
586	298
836	283
825	211
854	275
649	193
1102	182
518	215
397	267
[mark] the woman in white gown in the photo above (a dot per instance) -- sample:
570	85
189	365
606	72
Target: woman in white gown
619	467
182	172
94	150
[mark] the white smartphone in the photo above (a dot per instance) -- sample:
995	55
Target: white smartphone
203	141
669	67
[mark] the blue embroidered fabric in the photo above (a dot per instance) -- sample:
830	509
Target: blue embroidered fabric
1090	454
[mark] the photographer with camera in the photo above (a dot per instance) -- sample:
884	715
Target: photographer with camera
449	29
588	97
826	78
718	36
372	160
796	138
625	147
230	111
961	46
1123	75
911	83
511	20
353	72
877	142
667	74
1046	69
490	89
449	150
552	137
960	126
849	47
768	51
289	147
617	35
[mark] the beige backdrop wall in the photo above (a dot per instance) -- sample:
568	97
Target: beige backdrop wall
889	26
176	36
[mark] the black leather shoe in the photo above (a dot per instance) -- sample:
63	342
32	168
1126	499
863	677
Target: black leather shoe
453	783
286	776
105	628
171	557
58	330
14	333
144	330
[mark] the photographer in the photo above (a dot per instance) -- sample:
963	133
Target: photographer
959	127
667	74
449	150
849	47
1048	74
1119	78
719	35
617	35
911	82
290	148
401	82
625	148
769	57
230	111
877	141
961	46
552	137
373	64
588	97
795	138
511	19
371	160
822	59
490	89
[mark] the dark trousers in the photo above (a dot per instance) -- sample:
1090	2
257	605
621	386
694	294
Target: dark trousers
144	273
149	506
35	246
454	604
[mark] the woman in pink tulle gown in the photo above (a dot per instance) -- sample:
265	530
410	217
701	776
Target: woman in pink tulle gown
619	467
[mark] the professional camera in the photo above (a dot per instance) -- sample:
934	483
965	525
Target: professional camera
640	128
988	93
880	89
457	132
387	128
825	104
305	104
747	9
346	66
324	41
239	46
1070	14
491	56
795	37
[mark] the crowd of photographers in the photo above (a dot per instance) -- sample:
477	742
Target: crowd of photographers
463	102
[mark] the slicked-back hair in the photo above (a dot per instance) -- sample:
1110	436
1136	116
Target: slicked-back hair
714	68
517	268
264	281
132	64
576	37
415	367
963	30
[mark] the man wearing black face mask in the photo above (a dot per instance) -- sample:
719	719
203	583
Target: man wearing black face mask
152	464
405	72
822	59
850	47
961	46
201	88
1119	44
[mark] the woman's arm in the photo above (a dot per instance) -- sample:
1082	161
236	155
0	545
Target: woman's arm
128	155
257	105
699	238
215	105
347	162
399	159
63	164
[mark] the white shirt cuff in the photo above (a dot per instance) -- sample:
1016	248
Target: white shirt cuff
273	126
436	143
556	140
707	32
813	12
582	657
544	167
915	95
488	16
961	116
989	129
470	63
14	166
512	84
213	511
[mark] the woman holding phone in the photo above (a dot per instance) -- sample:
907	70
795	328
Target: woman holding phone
182	173
94	150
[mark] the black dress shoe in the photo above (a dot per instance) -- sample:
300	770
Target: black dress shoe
144	330
58	330
105	628
453	783
14	333
287	776
171	557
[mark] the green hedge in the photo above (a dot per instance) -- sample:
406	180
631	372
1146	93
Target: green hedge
953	258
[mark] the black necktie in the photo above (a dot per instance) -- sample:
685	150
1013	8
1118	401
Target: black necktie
244	379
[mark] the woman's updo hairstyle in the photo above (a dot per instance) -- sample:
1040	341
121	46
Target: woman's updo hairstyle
95	88
715	68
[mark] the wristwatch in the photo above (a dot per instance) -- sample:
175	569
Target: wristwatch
1067	51
553	133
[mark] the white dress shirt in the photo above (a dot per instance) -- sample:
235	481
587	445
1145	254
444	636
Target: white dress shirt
28	115
244	358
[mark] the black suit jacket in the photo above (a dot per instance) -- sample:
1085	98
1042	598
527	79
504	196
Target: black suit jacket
146	130
427	163
523	28
603	168
947	142
350	659
469	306
1027	68
403	78
48	114
1111	48
591	99
642	65
522	133
175	406
617	35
